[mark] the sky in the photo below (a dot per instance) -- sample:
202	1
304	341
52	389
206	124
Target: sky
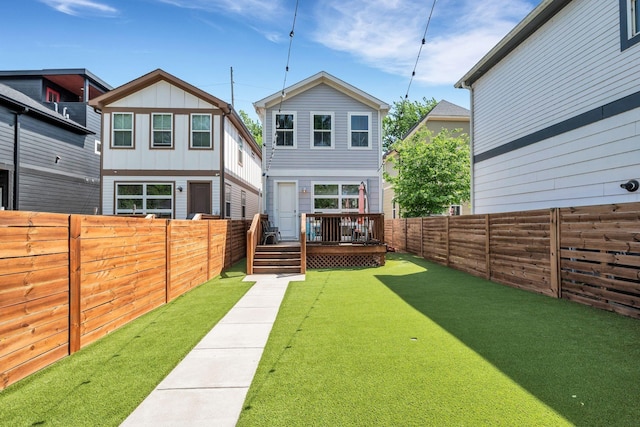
373	45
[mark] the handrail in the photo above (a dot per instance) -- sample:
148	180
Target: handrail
253	237
340	228
303	243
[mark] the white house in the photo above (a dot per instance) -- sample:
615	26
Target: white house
322	139
556	109
171	149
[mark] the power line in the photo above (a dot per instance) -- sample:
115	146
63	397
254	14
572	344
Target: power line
424	41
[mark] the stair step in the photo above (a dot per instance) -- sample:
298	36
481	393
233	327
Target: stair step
276	255
280	262
278	248
275	270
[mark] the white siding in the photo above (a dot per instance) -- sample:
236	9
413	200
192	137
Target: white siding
582	167
250	170
162	95
572	64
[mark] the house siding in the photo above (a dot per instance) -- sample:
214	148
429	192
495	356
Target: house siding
557	79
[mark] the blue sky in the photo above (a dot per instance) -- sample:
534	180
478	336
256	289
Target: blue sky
371	44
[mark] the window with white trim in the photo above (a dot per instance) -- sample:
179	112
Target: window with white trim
330	198
322	130
200	130
240	150
162	130
144	198
122	126
285	129
359	130
629	23
243	203
97	146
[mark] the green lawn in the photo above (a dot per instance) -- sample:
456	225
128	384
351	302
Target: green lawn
414	344
105	381
408	344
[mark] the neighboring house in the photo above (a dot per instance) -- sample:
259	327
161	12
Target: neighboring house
173	150
328	139
49	141
444	115
555	109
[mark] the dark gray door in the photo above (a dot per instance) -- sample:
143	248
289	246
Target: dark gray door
199	197
4	189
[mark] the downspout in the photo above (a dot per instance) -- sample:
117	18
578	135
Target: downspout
16	158
471	141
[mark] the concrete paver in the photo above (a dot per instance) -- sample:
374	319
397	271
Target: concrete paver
209	386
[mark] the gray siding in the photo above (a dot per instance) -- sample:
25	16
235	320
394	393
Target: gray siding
322	98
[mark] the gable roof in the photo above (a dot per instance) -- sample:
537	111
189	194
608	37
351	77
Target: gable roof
546	10
321	78
444	111
161	75
27	105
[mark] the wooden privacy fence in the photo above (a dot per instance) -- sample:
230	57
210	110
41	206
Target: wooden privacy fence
590	254
67	280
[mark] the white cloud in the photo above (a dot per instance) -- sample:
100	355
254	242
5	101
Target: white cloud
265	10
81	7
387	34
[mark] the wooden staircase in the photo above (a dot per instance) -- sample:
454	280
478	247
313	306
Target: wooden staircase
275	259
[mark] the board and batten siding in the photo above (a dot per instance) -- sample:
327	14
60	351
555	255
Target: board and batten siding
250	169
325	99
180	198
143	157
571	65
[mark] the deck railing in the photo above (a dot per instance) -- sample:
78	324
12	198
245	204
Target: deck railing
334	229
254	235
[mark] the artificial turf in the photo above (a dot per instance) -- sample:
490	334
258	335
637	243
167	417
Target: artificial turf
104	382
416	344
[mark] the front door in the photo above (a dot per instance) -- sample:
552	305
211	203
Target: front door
286	210
199	197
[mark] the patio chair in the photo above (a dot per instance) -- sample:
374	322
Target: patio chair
269	231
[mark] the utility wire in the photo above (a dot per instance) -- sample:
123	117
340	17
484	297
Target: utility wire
424	41
284	85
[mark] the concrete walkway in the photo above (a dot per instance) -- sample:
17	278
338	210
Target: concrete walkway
209	386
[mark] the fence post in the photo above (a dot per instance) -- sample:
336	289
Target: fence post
421	238
75	275
447	237
167	295
487	245
554	256
208	250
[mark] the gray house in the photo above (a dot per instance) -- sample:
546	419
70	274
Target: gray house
322	139
49	141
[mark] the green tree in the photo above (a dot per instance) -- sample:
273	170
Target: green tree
402	116
254	126
433	172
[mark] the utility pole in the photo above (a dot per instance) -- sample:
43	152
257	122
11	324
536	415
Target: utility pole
232	100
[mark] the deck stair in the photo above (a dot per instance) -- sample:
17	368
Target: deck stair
275	259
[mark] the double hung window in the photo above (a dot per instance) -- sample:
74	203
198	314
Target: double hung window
359	130
201	131
322	130
122	130
162	130
285	125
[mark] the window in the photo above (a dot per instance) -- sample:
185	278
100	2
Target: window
243	203
97	147
285	130
162	130
144	198
201	131
336	197
393	210
240	150
359	130
122	130
227	201
52	95
322	130
629	23
454	210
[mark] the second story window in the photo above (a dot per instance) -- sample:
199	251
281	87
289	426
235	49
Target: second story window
285	130
240	150
629	23
359	132
52	95
162	130
201	131
122	130
322	131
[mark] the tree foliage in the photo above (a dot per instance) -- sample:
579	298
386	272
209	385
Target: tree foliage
402	116
433	172
254	126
